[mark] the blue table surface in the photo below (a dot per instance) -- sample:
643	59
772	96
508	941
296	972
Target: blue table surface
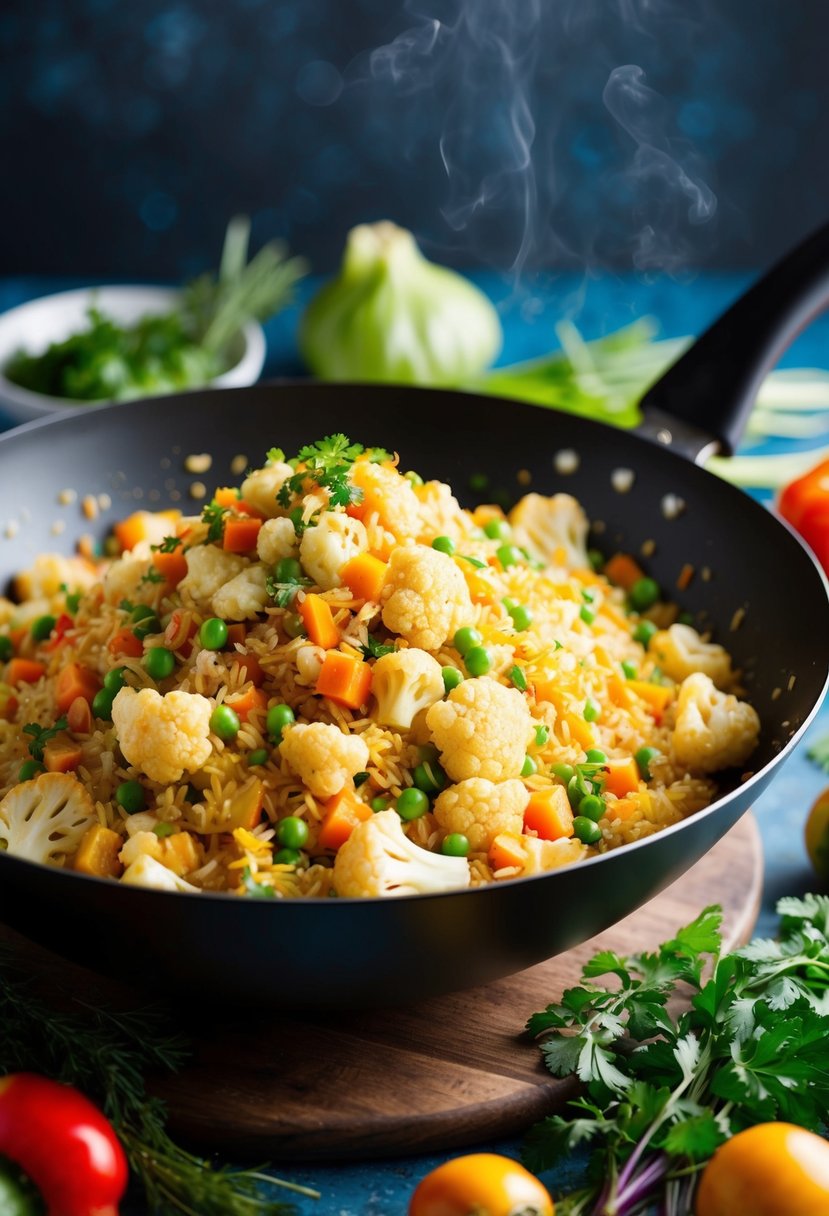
597	305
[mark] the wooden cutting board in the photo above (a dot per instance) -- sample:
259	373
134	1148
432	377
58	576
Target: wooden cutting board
452	1071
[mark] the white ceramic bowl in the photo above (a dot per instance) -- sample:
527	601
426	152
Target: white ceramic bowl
35	325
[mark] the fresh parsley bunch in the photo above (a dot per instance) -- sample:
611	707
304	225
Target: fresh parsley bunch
663	1092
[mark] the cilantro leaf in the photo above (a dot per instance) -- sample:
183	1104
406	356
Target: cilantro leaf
168	545
554	1138
274	456
254	889
214	516
283	593
40	736
152	576
695	1138
375	649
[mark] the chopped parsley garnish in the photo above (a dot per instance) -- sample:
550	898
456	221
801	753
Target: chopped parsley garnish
168	545
328	463
375	649
41	736
214	516
256	890
282	594
274	456
360	779
152	576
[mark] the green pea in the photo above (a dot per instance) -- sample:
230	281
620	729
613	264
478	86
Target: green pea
528	767
131	797
277	718
521	616
411	804
465	638
288	570
451	678
146	626
542	734
629	670
643	594
379	804
102	704
287	857
213	633
592	710
293	625
595	755
163	829
592	806
497	529
455	845
115	679
141	612
478	661
6	648
159	663
29	769
509	555
292	832
258	756
587	614
444	544
518	679
644	632
596	559
429	777
564	772
225	723
73	602
42	627
644	757
586	830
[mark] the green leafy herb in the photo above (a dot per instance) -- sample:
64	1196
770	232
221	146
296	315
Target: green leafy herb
168	545
152	576
662	1092
73	601
282	594
40	736
214	516
256	890
473	561
360	779
274	456
328	463
375	649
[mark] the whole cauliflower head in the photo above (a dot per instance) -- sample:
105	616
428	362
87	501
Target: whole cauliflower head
326	548
389	496
261	487
163	736
713	729
276	539
481	730
323	757
379	859
425	597
208	569
553	529
480	809
680	651
403	684
45	819
244	597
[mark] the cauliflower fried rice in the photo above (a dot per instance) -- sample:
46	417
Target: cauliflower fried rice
336	681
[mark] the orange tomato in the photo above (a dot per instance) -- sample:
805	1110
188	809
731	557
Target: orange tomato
773	1169
481	1184
817	835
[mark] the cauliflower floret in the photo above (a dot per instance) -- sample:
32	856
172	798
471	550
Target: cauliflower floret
404	683
124	577
379	859
543	855
552	529
425	597
163	736
323	757
326	548
680	651
390	496
244	597
713	729
440	512
277	539
208	569
45	820
479	809
140	844
50	571
145	871
262	486
482	730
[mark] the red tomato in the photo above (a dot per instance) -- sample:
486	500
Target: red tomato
804	492
773	1169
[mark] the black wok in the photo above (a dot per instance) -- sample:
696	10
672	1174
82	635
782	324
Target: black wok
336	953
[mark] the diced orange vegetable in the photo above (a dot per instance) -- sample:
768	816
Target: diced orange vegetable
623	570
507	851
355	510
75	680
17	635
244	703
318	622
79	717
342	814
623	809
344	680
548	813
62	754
98	853
365	575
236	633
8	703
618	690
620	777
252	667
226	496
240	534
137	527
125	642
243	811
657	696
24	671
180	853
581	731
173	566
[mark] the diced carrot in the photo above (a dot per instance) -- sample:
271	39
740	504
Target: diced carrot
342	814
236	633
244	703
173	566
141	525
240	535
344	680
17	635
8	703
548	813
620	777
98	852
24	671
180	629
125	642
226	496
62	754
75	680
507	850
61	627
657	696
618	690
252	668
79	717
623	570
365	575
355	510
318	622
581	731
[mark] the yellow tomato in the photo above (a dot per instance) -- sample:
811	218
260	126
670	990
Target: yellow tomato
481	1184
817	835
773	1169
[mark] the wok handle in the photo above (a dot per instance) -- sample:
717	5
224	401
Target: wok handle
710	390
